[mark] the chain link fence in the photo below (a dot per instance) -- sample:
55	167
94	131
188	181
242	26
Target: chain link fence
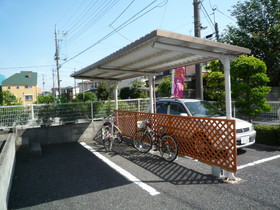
271	117
56	114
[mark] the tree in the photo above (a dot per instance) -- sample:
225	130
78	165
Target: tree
215	83
46	99
136	91
258	29
249	88
87	96
248	85
8	99
164	87
103	92
125	93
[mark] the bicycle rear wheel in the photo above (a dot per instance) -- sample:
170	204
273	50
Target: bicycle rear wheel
107	138
118	134
168	148
142	141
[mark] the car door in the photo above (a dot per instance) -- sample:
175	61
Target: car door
162	107
177	109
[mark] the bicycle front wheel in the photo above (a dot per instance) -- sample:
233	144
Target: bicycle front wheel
168	148
107	138
142	141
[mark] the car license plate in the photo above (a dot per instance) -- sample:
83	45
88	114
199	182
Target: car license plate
245	139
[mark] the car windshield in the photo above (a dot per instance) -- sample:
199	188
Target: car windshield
203	109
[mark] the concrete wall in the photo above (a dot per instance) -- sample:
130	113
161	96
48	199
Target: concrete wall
58	134
7	162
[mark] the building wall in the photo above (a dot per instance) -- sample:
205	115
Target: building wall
20	91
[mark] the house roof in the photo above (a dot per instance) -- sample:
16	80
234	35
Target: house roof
22	78
156	52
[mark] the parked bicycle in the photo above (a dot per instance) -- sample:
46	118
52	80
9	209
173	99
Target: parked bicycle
109	133
145	138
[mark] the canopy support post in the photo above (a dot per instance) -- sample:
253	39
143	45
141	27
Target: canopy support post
226	62
151	89
116	95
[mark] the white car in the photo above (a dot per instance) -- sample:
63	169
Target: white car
245	133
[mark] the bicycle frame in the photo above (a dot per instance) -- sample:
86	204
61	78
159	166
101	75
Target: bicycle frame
155	136
113	133
146	137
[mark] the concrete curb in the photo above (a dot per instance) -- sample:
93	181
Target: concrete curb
7	164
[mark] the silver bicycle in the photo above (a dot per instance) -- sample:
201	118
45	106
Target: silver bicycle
109	133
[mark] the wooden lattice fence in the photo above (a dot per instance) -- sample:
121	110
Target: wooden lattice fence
209	140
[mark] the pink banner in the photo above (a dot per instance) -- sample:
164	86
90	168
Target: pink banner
178	82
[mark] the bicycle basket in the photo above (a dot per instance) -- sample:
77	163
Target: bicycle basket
140	124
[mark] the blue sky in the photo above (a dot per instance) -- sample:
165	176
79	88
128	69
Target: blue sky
27	30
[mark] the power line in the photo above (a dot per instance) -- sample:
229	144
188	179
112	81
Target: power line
85	26
226	15
69	10
124	24
211	22
77	15
121	13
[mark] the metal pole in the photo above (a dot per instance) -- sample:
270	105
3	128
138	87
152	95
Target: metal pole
151	88
226	63
56	59
197	30
116	95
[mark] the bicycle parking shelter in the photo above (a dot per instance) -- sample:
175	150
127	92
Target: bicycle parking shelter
159	51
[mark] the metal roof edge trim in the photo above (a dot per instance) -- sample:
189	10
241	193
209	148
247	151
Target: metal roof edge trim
130	46
163	34
201	41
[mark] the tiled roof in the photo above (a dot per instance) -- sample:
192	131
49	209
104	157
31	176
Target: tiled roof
22	78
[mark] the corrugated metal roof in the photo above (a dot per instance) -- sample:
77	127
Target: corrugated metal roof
22	78
157	51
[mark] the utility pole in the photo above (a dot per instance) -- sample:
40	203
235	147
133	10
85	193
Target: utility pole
53	76
56	58
216	26
198	71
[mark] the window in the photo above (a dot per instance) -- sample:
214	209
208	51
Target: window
9	87
177	109
28	86
17	87
28	97
162	108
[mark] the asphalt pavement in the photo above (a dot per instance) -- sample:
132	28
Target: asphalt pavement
71	176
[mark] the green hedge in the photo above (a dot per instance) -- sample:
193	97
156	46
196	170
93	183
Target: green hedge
269	135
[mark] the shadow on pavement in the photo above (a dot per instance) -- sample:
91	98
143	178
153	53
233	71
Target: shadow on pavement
171	172
64	171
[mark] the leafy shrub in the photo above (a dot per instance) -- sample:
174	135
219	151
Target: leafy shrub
269	135
46	115
46	99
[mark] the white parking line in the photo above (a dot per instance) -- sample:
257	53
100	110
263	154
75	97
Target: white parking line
123	172
258	162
